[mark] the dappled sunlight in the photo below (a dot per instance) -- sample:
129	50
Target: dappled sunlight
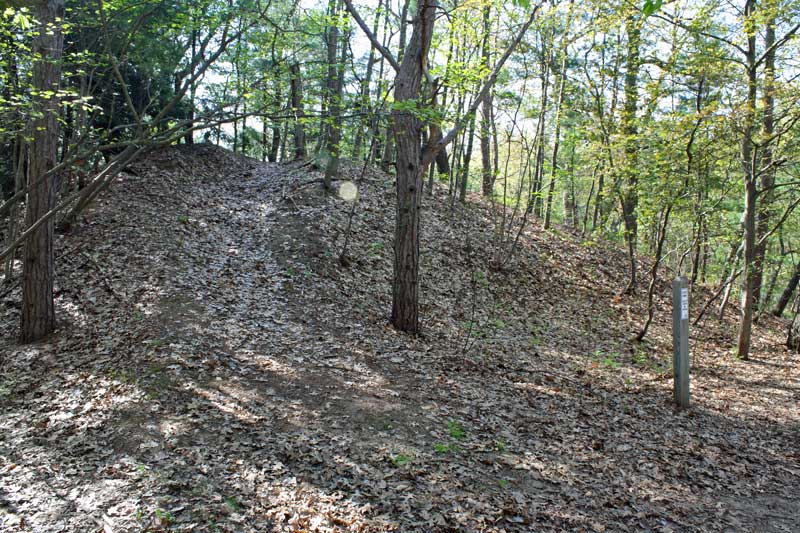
252	383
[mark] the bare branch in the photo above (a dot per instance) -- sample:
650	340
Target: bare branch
432	150
372	38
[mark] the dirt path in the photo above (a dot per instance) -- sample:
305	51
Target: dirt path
218	370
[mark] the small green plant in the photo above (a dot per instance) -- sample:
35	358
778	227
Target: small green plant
231	502
640	358
500	445
504	483
441	447
400	460
291	272
4	391
499	324
121	375
456	430
164	518
609	360
183	219
476	332
481	278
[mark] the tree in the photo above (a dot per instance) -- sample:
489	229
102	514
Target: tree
788	291
487	171
793	340
412	158
38	308
296	102
629	197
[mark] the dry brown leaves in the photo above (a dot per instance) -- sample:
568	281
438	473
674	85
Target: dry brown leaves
217	369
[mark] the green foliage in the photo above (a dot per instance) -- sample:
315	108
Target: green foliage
443	448
651	6
164	518
400	460
456	430
231	502
608	360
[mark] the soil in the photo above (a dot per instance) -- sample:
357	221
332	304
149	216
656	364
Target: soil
217	368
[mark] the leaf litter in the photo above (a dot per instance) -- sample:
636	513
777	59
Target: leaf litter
216	368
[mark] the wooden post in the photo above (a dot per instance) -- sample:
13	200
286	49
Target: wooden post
680	341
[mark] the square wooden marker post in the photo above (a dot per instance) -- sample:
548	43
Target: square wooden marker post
680	341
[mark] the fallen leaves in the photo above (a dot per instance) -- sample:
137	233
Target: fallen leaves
218	369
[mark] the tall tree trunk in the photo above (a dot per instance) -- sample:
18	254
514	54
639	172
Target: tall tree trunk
750	195
535	203
556	140
630	131
768	175
272	156
365	89
38	309
408	134
189	137
464	181
329	94
335	133
389	148
375	122
296	86
265	148
487	172
13	214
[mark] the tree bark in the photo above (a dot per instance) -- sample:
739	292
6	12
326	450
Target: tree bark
464	182
272	156
189	137
365	89
630	192
487	172
556	140
296	85
768	175
750	196
535	203
38	308
335	132
325	145
407	130
793	340
786	296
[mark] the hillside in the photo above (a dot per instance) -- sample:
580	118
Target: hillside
217	369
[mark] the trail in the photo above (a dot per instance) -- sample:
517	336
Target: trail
218	370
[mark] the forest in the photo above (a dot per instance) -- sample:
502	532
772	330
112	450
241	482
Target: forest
398	265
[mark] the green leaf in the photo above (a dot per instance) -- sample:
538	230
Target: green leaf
651	6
